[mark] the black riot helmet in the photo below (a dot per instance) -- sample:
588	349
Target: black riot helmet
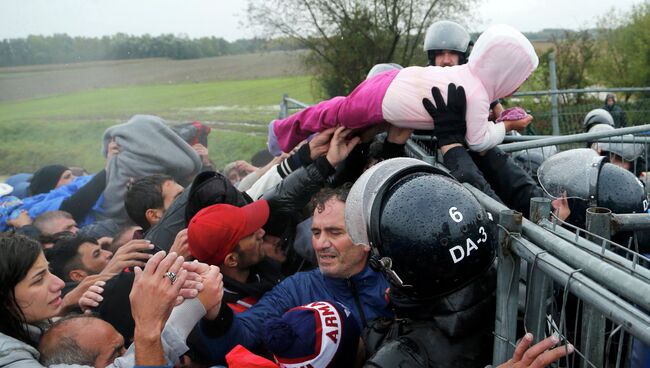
620	191
427	232
588	180
447	35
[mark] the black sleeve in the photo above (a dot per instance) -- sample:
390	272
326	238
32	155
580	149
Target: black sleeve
293	193
392	150
221	324
510	182
352	167
463	168
80	203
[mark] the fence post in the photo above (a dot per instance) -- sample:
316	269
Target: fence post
505	326
540	209
593	323
555	120
284	108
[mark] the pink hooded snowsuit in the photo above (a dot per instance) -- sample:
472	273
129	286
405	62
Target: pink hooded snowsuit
501	60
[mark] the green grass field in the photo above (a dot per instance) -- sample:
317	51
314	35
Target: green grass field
68	128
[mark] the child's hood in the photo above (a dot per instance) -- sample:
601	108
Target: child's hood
502	59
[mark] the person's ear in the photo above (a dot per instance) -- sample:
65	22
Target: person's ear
153	215
231	260
77	275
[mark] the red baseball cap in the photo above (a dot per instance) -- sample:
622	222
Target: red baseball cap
215	230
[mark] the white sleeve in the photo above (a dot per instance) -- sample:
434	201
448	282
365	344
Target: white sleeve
179	325
493	136
269	180
248	181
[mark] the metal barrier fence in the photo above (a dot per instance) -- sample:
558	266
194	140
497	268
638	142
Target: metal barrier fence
590	296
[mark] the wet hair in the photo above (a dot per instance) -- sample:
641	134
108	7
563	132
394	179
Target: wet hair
144	194
339	193
64	256
18	254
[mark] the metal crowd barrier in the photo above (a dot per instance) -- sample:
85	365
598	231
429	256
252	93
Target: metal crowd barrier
564	269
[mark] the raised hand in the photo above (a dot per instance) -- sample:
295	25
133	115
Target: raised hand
341	146
448	119
129	255
320	143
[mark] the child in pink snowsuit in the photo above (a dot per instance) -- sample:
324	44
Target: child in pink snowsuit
501	60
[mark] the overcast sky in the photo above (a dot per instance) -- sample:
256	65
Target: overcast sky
222	18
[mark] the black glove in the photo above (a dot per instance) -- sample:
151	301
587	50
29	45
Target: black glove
448	120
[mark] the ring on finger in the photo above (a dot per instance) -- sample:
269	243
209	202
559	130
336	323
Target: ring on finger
171	276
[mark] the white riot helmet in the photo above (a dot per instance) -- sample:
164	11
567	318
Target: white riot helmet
447	35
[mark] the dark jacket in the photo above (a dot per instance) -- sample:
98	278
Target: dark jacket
363	294
617	113
510	182
495	174
452	331
263	277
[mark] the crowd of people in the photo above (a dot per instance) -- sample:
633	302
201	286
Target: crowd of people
337	252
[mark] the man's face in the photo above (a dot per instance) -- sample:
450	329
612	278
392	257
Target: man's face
610	101
250	249
447	58
272	247
233	176
170	190
94	258
337	255
99	336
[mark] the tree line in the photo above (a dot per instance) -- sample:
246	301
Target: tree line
62	48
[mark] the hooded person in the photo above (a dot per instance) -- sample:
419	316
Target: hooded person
617	113
501	61
47	178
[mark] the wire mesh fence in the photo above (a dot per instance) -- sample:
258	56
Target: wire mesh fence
573	105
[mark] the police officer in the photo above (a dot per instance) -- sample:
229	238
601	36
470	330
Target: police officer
626	155
437	246
586	180
447	43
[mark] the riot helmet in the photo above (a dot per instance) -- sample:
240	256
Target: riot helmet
427	232
597	116
447	35
620	191
588	180
380	68
625	151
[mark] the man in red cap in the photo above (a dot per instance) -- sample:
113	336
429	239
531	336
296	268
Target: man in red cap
231	237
